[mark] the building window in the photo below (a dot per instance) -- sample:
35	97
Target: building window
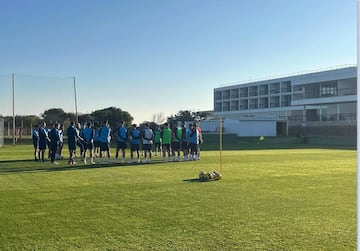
328	90
218	95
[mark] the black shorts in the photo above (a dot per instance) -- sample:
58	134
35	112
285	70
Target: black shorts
157	145
121	145
135	147
184	145
147	147
104	146
96	143
193	147
175	146
42	145
80	144
72	146
88	145
166	147
36	144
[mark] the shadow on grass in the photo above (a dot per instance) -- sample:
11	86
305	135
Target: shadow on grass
48	167
16	160
193	180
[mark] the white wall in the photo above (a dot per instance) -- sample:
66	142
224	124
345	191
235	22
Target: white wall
250	128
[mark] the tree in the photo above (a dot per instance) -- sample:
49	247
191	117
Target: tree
83	118
55	115
113	115
184	116
189	116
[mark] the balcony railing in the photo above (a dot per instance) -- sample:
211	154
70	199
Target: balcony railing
338	93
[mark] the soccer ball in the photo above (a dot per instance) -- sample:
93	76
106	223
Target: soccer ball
203	176
210	176
217	175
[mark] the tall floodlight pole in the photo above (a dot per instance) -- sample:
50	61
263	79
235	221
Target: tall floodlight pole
358	123
13	105
220	141
76	111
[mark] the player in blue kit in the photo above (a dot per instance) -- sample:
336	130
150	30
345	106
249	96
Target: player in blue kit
96	139
88	136
35	139
73	136
43	139
54	141
105	140
122	136
135	143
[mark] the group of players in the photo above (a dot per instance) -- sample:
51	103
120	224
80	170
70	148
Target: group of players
93	141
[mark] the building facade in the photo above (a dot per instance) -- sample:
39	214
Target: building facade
315	99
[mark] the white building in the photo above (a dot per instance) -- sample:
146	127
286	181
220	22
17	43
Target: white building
325	97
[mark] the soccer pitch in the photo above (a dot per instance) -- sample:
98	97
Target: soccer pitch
289	199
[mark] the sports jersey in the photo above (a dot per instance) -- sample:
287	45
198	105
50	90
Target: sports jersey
88	134
135	137
166	136
54	136
176	135
194	137
72	135
35	135
199	134
42	134
96	135
61	135
184	134
105	134
147	136
157	136
122	134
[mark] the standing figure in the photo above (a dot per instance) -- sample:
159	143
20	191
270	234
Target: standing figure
61	143
200	139
105	140
80	140
88	136
96	139
43	140
73	136
175	142
54	141
122	136
166	141
157	141
134	143
184	140
35	140
193	142
147	139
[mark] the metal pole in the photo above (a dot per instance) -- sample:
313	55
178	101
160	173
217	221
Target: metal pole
220	143
13	105
358	123
76	111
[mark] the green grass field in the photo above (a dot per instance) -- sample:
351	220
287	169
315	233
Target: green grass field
286	199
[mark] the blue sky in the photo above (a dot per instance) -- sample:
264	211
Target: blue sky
149	57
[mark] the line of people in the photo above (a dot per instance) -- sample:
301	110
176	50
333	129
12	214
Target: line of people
94	141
